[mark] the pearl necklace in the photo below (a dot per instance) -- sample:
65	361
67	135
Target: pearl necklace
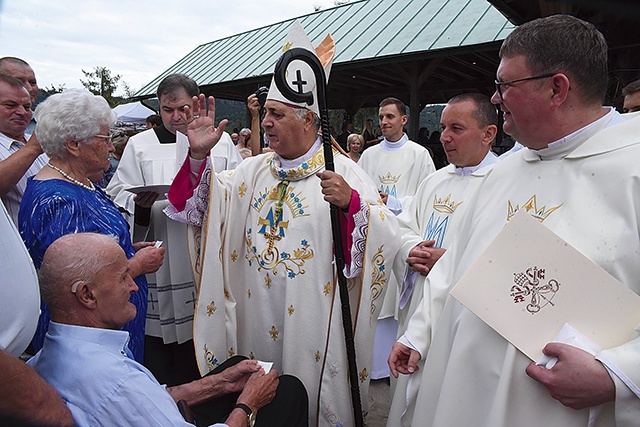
72	179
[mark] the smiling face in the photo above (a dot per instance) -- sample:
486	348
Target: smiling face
15	110
172	110
523	103
464	141
391	122
289	136
353	143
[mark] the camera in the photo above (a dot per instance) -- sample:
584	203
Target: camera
261	93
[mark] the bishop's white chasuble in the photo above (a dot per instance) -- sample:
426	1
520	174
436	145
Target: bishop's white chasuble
268	285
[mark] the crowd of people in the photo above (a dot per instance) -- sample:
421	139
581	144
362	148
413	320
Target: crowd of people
183	274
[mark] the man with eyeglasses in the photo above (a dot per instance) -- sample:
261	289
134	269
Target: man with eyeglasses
150	159
20	157
578	174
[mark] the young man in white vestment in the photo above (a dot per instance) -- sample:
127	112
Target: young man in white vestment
468	126
151	158
397	165
269	286
579	175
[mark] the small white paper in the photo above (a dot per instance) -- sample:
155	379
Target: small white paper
570	336
265	365
158	244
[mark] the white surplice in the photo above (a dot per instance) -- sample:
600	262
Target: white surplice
268	287
586	189
172	294
434	214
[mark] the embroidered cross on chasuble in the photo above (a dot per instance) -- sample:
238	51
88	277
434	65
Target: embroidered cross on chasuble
268	279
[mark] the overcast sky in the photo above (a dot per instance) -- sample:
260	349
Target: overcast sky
138	39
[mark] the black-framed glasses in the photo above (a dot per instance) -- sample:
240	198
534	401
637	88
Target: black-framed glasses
509	82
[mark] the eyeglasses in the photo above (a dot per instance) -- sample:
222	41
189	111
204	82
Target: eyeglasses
107	138
510	82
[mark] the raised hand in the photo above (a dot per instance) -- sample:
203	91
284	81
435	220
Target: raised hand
202	133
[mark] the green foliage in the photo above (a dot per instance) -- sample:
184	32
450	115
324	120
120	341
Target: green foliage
101	82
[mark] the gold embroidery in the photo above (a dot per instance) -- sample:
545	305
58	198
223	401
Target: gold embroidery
446	205
242	189
249	293
232	352
252	356
210	359
382	216
267	281
234	255
290	310
364	375
271	258
378	277
531	206
227	295
317	356
211	308
274	333
327	288
389	179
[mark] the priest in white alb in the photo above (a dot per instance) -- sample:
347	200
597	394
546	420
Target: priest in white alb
428	224
579	175
268	287
397	165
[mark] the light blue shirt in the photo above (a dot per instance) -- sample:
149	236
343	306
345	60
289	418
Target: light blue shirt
100	384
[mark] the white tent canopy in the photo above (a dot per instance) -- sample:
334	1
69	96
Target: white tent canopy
134	113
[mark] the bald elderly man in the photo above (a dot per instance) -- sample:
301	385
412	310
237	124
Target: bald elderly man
86	283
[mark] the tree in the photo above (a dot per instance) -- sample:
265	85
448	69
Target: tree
44	93
101	82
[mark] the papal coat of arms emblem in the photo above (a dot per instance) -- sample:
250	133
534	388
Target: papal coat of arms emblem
530	287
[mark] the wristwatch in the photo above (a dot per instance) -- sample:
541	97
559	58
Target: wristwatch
251	417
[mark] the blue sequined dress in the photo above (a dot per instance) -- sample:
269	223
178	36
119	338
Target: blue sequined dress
53	208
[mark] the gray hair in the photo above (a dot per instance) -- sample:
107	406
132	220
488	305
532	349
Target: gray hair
300	112
174	83
244	131
75	114
563	44
71	258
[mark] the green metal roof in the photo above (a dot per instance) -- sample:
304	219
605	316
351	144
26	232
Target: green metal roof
363	30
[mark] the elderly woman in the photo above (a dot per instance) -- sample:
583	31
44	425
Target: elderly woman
355	142
73	129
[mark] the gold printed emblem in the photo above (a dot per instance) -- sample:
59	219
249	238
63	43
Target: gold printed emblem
274	333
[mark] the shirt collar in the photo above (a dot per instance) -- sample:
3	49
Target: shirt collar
396	145
8	142
114	340
489	159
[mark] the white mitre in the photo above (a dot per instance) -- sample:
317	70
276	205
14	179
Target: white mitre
300	77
